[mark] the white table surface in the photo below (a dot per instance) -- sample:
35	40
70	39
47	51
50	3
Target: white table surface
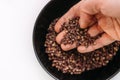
17	58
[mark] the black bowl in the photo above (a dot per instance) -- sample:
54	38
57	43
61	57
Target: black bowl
55	9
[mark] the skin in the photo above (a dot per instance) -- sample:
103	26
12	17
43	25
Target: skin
107	15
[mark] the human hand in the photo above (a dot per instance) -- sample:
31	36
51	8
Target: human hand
89	11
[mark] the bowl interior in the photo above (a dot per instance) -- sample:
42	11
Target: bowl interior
55	9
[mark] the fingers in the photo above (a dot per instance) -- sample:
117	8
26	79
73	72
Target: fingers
61	21
103	41
85	20
95	30
73	12
70	14
68	46
60	36
109	26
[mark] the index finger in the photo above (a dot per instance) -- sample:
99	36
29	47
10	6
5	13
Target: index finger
73	12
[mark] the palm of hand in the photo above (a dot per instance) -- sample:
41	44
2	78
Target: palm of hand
105	24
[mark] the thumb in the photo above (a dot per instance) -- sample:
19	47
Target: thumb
86	20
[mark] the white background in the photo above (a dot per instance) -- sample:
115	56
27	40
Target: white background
17	58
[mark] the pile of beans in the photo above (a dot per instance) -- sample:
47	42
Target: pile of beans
72	61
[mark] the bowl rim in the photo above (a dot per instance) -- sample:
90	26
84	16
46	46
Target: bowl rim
33	41
35	51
